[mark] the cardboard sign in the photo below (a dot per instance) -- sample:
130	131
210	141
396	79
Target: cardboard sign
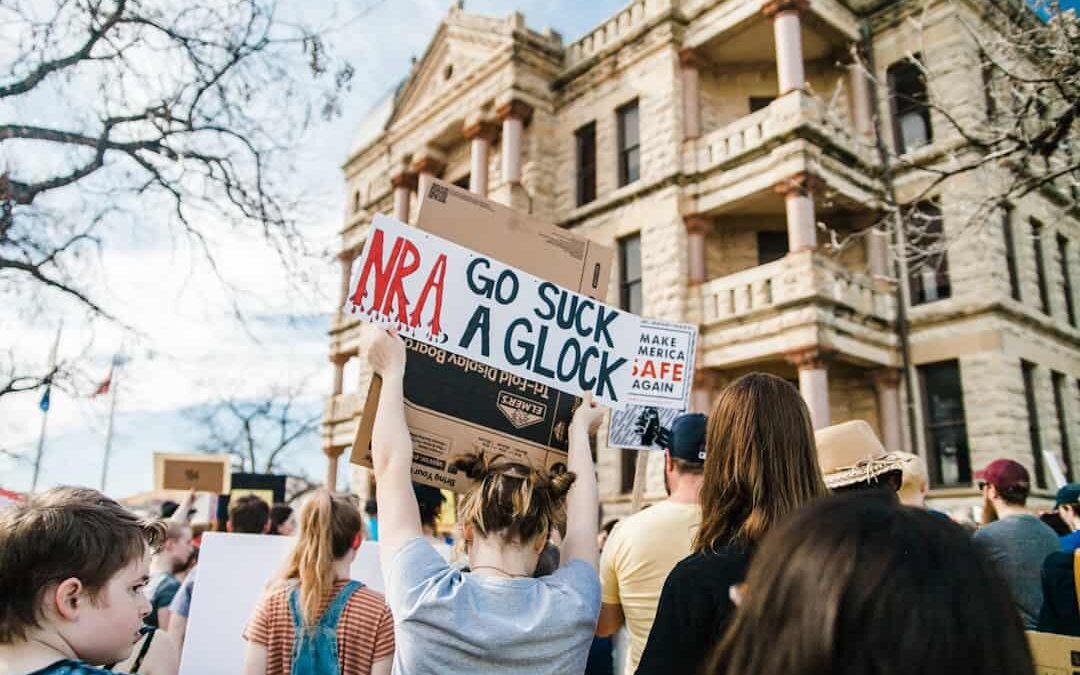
663	380
452	406
204	473
478	308
1054	654
233	573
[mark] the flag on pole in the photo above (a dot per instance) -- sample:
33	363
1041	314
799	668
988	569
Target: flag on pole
44	402
103	388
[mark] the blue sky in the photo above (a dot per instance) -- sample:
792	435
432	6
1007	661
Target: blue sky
194	351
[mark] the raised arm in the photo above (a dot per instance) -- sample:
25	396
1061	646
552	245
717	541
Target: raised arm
583	498
391	449
182	514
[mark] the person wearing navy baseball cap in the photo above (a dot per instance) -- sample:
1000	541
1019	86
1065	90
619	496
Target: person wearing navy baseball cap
642	549
1013	537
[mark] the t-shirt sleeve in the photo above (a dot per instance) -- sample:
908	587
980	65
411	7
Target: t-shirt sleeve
181	602
416	568
165	593
384	636
578	579
258	626
609	579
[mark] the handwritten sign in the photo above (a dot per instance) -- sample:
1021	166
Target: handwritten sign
662	383
437	292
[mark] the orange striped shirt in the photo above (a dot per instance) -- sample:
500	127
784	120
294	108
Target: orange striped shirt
365	633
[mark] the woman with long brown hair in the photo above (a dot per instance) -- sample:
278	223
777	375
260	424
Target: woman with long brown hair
317	620
760	466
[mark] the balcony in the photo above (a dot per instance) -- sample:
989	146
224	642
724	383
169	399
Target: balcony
804	298
798	278
795	111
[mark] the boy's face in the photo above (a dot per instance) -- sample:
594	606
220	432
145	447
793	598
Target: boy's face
104	629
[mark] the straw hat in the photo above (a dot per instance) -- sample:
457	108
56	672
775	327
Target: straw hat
850	453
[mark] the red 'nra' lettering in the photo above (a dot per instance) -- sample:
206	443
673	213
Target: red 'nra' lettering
389	277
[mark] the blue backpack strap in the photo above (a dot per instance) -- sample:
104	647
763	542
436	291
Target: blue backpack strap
333	613
294	605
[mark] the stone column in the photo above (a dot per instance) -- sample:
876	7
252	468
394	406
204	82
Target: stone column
691	64
339	362
787	30
696	229
513	116
860	98
332	457
887	386
404	183
877	254
813	383
480	135
798	194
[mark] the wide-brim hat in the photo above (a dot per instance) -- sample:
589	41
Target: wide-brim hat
850	453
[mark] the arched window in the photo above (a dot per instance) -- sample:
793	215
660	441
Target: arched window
910	109
356	201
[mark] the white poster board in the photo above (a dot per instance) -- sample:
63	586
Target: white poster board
233	572
663	377
435	291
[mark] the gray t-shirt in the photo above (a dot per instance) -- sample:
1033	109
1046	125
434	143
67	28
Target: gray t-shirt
447	621
1019	545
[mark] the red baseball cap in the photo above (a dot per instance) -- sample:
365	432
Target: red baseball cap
1005	475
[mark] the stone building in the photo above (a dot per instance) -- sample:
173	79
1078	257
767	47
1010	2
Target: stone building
726	148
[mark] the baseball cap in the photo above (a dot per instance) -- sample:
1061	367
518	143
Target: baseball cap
688	437
1068	494
1006	475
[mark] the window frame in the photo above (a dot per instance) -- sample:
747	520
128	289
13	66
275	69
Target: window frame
624	151
1059	384
933	427
1010	253
938	261
1031	400
584	171
1037	230
903	103
1066	278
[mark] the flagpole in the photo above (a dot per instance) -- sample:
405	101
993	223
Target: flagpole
114	384
45	412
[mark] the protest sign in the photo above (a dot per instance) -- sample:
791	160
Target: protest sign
662	382
1054	654
204	473
435	291
452	405
234	570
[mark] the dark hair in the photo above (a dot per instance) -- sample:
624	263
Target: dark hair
249	514
279	513
610	525
686	467
58	534
760	464
858	584
1015	495
512	500
430	501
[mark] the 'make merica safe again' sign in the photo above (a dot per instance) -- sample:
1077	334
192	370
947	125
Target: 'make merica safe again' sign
435	291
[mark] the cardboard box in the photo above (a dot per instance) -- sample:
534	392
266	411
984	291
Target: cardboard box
455	406
204	473
1054	654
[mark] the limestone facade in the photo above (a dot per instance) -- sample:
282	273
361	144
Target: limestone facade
758	184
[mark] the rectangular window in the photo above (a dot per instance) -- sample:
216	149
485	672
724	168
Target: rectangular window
630	274
760	103
629	143
585	140
909	101
1028	370
928	269
1060	392
948	457
1040	265
771	246
1010	252
1066	278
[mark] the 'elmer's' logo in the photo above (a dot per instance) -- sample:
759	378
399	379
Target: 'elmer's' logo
520	411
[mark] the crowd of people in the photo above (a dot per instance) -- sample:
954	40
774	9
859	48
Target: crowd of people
779	550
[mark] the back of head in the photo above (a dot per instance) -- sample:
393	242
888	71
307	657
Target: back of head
916	479
249	515
760	462
279	515
857	584
330	527
513	501
60	534
430	500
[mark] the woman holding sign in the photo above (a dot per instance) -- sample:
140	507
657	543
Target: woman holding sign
495	618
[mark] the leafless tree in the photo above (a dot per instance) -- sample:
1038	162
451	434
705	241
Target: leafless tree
259	433
166	117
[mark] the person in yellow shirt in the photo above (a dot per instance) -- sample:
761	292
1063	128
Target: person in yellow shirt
642	549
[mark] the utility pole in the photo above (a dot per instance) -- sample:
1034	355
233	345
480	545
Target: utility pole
45	404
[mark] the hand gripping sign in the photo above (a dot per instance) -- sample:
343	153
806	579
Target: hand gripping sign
437	292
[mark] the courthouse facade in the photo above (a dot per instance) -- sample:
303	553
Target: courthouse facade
726	149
